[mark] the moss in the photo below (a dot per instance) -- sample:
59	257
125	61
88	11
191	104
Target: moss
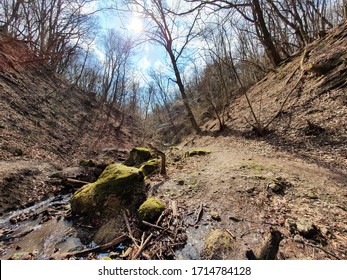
117	181
150	166
197	152
138	156
151	209
218	245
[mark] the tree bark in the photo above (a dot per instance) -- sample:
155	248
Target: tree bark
182	91
264	34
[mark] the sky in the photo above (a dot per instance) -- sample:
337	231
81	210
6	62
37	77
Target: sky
148	56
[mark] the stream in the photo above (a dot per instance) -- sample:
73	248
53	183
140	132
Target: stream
39	231
45	230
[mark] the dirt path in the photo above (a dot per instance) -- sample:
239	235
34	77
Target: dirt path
308	204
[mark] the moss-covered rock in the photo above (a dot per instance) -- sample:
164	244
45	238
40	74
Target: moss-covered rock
151	209
197	152
218	245
138	156
150	166
117	187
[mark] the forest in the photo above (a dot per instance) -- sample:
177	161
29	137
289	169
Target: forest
155	129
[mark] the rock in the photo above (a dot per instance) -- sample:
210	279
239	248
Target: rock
180	182
312	195
215	216
306	228
118	187
151	209
21	256
150	166
138	156
88	163
197	152
109	231
291	225
279	185
218	245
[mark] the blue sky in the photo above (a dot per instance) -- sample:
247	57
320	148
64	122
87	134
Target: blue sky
147	55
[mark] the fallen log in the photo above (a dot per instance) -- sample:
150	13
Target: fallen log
97	249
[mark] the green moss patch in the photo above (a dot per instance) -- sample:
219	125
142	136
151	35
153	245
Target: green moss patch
151	209
150	166
218	245
197	152
138	156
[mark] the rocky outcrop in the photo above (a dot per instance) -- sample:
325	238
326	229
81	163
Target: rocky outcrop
119	187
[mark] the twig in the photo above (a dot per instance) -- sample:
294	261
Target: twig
162	156
326	251
129	230
199	215
231	234
142	247
100	248
160	217
174	208
152	225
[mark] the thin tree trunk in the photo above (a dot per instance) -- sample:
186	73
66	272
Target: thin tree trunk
265	35
183	92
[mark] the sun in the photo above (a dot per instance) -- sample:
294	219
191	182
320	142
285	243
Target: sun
136	25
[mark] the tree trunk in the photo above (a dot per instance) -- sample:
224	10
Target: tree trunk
264	34
182	91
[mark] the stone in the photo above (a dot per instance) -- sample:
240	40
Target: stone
218	245
109	231
138	156
312	195
215	216
306	228
151	166
180	182
119	187
151	209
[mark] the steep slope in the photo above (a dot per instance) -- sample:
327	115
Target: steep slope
305	98
43	117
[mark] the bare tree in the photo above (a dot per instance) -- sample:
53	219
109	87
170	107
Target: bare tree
55	29
165	28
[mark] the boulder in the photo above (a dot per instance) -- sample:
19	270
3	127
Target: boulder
218	245
151	209
150	166
138	156
117	188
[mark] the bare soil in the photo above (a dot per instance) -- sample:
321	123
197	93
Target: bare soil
233	181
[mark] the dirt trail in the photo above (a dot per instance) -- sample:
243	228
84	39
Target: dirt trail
234	182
